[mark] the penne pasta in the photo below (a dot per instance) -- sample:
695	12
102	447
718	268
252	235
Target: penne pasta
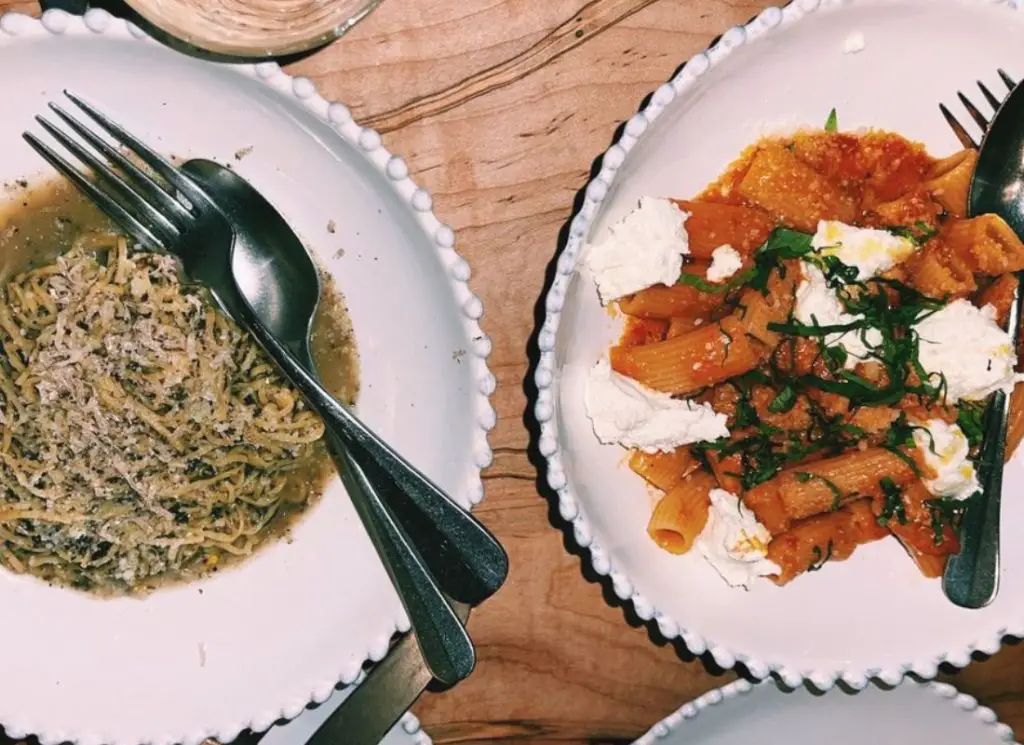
727	470
782	185
913	526
824	486
939	272
882	167
640	331
949	181
757	310
916	210
812	543
1000	296
986	244
709	355
679	325
713	224
660	301
692	361
931	566
664	470
682	513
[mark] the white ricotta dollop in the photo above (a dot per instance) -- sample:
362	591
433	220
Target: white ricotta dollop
643	249
625	412
734	542
725	262
946	451
871	251
966	345
854	42
818	304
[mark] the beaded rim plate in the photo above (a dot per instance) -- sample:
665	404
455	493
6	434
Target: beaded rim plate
936	713
871	616
256	643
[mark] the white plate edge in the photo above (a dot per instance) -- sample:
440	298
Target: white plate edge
411	726
689	711
569	507
99	22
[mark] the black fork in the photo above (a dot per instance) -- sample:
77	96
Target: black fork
958	129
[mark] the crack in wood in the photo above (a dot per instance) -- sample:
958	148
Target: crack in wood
591	20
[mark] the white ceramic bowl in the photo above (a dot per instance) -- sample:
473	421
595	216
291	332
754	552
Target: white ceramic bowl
258	642
870	616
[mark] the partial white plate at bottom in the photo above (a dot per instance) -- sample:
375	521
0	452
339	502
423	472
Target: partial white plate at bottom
741	713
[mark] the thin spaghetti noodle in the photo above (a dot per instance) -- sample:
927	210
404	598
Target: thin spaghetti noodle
144	436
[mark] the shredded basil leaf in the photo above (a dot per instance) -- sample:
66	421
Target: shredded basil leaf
784	401
920	233
971	419
893	506
820	558
832	123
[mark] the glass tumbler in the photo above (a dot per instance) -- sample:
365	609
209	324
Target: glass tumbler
254	28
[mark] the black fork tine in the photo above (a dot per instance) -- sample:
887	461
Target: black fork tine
958	129
994	102
160	224
140	179
153	159
990	98
114	209
976	115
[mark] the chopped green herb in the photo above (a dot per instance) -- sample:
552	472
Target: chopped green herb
889	309
893	506
944	512
782	243
835	357
920	233
971	419
820	558
784	401
714	288
746	414
832	123
787	244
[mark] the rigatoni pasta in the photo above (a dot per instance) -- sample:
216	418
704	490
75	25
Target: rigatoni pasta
838	354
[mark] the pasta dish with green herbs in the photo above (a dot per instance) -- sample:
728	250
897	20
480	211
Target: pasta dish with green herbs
809	348
144	436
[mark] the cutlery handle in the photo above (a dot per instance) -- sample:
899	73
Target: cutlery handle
467	560
971	579
446	647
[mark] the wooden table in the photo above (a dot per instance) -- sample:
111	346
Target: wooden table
500	107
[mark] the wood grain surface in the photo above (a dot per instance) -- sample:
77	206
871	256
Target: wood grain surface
500	108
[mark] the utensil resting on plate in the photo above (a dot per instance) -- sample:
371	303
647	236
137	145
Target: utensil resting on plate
194	229
971	578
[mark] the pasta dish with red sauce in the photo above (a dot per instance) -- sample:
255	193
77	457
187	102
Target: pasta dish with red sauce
809	348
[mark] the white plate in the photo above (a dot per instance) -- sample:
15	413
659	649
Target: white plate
298	731
741	713
259	642
873	615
